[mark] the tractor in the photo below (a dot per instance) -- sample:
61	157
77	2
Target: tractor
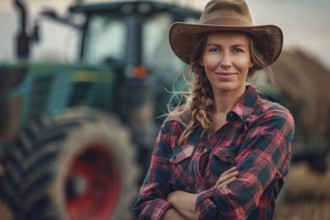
75	139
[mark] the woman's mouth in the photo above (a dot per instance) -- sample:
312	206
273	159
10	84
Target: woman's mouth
225	75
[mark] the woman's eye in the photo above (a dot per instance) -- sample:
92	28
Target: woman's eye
238	50
214	49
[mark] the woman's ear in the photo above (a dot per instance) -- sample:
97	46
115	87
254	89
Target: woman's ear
201	62
251	64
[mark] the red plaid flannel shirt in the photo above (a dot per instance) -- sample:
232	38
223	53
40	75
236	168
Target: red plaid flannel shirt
256	139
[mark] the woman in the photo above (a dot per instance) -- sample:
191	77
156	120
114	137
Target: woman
225	154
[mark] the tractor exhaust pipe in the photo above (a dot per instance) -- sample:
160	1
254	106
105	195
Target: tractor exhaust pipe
22	38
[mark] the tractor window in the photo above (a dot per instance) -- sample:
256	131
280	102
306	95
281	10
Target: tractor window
105	39
157	53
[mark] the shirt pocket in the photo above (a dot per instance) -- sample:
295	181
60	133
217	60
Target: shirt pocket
179	165
223	158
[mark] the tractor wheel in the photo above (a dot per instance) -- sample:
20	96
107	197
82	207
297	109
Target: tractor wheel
78	165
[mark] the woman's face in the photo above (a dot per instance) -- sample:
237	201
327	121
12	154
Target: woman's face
226	59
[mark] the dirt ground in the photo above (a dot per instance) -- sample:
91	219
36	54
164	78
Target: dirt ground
305	196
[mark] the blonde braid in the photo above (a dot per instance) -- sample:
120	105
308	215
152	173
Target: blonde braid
200	103
192	104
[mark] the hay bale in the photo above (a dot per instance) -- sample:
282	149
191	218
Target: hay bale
306	195
305	82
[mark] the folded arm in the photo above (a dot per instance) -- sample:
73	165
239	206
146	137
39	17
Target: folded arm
185	203
262	162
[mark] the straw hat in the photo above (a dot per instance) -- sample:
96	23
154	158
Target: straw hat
226	15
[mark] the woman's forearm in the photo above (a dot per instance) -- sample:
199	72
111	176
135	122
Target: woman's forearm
184	203
173	214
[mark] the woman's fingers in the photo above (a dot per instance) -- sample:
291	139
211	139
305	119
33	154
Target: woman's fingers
226	183
227	177
232	169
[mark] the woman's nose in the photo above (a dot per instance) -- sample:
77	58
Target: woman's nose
225	60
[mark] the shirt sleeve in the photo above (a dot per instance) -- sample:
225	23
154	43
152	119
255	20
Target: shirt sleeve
151	202
264	158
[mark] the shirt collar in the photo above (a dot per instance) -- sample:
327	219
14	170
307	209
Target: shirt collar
246	104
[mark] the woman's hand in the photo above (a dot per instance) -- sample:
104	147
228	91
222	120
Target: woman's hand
227	178
184	203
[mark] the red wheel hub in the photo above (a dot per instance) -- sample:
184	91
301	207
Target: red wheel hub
93	184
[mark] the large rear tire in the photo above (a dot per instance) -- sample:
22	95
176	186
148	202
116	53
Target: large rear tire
78	165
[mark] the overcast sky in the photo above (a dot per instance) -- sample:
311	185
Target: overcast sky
305	23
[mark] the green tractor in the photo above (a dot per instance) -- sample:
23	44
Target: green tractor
75	139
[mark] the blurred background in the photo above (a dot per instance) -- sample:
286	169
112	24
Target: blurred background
82	84
304	23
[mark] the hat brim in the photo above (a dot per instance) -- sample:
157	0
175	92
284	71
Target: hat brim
268	39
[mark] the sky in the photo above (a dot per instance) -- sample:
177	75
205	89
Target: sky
305	24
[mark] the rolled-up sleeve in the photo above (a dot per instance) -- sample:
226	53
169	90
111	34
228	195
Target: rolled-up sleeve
262	162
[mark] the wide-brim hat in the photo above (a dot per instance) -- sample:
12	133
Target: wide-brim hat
226	15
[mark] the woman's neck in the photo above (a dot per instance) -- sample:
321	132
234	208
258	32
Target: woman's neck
224	101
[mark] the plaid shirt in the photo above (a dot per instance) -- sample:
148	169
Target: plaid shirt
256	139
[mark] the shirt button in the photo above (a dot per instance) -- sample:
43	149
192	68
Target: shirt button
196	185
205	150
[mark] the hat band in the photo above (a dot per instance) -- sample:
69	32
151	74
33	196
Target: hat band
226	22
